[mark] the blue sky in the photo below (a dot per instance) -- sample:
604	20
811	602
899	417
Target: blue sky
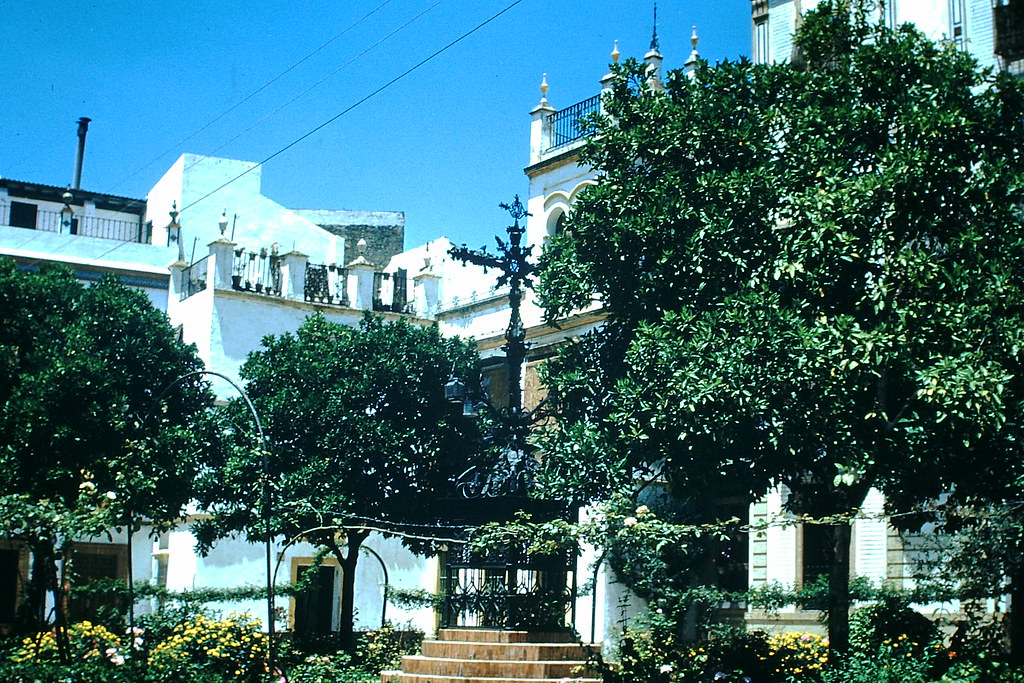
445	144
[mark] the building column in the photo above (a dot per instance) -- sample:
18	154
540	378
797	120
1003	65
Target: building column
426	289
360	284
222	255
293	275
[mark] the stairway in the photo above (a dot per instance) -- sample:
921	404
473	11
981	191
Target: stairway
490	656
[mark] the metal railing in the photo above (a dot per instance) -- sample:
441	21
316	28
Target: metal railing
256	271
569	124
391	292
194	278
83	226
326	284
507	590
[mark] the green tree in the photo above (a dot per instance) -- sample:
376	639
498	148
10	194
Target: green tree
812	274
360	436
88	437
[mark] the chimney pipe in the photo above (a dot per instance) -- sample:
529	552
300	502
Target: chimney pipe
83	128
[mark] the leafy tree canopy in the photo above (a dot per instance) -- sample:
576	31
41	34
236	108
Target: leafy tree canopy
813	275
89	399
93	424
809	272
359	430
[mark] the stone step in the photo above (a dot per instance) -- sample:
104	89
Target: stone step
400	677
484	635
461	649
483	668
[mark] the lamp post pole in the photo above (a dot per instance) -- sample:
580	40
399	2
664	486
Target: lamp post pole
517	271
271	647
512	476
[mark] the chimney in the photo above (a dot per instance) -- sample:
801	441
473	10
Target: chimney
83	128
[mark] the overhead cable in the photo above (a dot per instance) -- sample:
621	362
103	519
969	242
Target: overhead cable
366	98
251	95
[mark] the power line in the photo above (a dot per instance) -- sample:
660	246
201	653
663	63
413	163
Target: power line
320	82
251	95
373	94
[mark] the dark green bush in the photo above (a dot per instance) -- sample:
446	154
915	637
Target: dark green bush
889	620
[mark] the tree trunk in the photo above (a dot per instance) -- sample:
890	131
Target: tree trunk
1017	615
348	563
839	591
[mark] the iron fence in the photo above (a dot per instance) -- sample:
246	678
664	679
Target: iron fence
326	284
391	291
570	124
194	278
256	271
84	226
507	590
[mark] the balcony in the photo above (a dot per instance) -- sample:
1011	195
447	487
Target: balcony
292	277
83	226
568	125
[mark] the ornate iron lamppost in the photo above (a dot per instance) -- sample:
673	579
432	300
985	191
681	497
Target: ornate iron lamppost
506	589
512	475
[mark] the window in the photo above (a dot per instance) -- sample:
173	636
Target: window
23	215
815	552
761	46
1008	20
956	23
731	555
889	10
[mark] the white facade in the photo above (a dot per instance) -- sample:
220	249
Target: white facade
969	24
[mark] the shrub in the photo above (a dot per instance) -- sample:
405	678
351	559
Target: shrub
794	654
95	656
898	661
85	639
889	619
203	649
336	668
382	649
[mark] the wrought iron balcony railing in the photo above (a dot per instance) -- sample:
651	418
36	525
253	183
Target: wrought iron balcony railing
256	271
326	284
194	278
570	124
83	226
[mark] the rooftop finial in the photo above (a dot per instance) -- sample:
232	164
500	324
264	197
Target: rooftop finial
615	53
654	31
691	61
544	90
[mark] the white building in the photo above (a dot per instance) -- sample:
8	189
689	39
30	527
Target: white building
991	30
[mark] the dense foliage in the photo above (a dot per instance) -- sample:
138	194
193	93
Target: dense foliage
94	428
813	277
193	646
360	437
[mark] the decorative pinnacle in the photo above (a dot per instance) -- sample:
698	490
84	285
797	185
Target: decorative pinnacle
544	89
654	31
516	210
223	222
691	61
615	53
